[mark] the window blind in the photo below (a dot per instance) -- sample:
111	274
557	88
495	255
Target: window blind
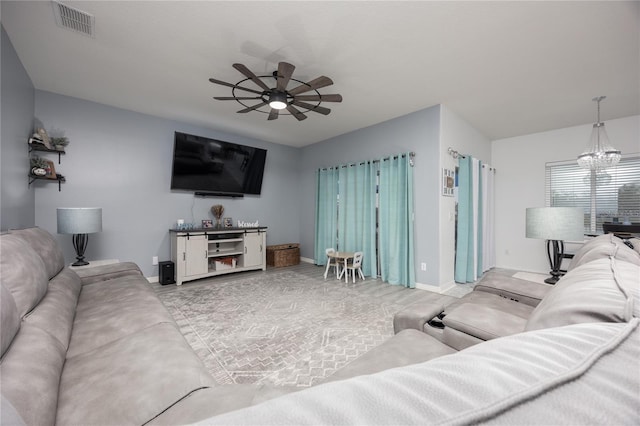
604	196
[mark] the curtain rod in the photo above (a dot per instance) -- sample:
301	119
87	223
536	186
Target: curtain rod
455	154
411	162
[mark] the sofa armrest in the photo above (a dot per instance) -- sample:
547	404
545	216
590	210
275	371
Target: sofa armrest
415	316
107	272
484	322
523	291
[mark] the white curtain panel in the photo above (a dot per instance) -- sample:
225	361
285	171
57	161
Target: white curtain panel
488	219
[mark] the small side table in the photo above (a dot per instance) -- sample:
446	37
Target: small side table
94	263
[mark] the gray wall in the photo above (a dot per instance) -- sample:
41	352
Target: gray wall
121	161
417	132
17	202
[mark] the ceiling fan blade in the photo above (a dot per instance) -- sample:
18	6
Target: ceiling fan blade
285	70
252	108
232	98
317	83
315	108
247	72
233	86
273	115
296	113
323	98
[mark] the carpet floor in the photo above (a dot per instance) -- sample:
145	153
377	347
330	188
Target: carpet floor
285	326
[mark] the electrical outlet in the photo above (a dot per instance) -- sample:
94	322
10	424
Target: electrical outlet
423	266
154	260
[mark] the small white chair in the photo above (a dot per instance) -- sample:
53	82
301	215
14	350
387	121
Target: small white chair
331	261
355	265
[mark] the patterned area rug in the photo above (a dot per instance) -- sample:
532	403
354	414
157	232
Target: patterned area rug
285	328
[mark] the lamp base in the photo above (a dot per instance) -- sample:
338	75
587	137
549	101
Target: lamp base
555	253
552	280
80	245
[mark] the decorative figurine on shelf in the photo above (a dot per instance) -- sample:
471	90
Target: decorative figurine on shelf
44	137
218	211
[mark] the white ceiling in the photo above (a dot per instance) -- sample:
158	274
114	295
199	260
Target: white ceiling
508	68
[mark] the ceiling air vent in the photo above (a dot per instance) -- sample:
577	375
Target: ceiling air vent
73	19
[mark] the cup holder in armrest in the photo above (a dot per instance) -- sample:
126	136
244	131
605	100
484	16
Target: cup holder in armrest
436	323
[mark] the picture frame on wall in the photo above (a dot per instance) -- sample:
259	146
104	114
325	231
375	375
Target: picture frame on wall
228	222
207	223
448	182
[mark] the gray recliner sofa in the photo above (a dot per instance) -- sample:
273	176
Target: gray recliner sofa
575	360
97	347
504	306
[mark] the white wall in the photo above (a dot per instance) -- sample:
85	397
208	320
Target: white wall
417	132
120	160
456	133
17	102
520	163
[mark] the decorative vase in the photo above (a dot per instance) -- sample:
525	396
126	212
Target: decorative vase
38	171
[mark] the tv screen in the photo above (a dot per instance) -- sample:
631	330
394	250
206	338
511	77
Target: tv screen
212	166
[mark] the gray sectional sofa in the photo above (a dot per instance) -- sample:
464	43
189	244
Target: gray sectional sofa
96	347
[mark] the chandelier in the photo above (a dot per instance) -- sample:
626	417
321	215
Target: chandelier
599	154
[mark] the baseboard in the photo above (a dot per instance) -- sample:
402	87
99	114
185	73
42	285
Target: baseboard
436	289
153	279
307	260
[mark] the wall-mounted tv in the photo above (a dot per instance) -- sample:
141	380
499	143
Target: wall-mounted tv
213	167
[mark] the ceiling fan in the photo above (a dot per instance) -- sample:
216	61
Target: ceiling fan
279	98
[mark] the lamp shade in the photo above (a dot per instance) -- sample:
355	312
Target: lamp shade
555	223
79	220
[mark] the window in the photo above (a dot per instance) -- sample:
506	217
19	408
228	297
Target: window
605	195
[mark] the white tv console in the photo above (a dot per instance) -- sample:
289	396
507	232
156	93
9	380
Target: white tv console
206	252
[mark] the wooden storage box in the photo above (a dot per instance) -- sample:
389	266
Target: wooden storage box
283	255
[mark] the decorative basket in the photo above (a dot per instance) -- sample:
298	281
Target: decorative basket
283	255
223	263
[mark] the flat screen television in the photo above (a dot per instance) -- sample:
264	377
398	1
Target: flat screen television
214	167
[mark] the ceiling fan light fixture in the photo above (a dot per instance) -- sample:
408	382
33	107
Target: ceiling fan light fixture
278	100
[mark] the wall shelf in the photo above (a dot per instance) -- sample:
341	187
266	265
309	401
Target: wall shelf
42	148
38	147
59	179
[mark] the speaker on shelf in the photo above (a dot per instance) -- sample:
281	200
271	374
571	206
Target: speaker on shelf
167	273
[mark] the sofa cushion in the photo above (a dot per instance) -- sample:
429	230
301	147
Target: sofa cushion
9	320
131	380
483	321
43	243
523	291
603	246
598	291
56	311
22	272
110	310
490	300
407	347
580	374
30	371
209	402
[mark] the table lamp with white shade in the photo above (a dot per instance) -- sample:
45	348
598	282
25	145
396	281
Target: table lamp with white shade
556	225
79	221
